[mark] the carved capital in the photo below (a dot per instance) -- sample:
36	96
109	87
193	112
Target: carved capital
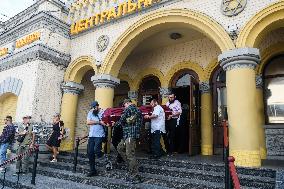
133	95
165	92
105	81
204	87
259	81
239	58
72	87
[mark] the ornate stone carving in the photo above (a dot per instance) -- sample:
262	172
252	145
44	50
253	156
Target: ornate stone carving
258	81
204	87
239	58
233	7
133	95
12	85
35	52
105	81
72	87
102	43
165	92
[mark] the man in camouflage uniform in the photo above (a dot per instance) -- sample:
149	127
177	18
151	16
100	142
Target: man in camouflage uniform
24	130
131	122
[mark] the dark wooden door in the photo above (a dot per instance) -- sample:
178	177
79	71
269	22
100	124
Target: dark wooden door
194	118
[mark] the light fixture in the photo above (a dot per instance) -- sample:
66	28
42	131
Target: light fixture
175	36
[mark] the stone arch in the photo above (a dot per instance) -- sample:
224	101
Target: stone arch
125	77
77	69
268	53
268	19
158	20
148	72
210	69
11	85
182	66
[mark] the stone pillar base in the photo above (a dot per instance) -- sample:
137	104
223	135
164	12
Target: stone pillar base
263	153
245	158
206	150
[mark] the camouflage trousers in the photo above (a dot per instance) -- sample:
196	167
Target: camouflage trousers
126	148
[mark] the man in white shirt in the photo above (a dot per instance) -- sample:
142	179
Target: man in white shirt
157	128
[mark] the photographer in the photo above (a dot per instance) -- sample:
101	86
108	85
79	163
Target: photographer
25	140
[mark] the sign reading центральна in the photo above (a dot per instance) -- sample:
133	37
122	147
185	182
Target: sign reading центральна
112	13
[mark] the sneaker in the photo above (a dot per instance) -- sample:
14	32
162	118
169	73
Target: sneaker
54	160
2	169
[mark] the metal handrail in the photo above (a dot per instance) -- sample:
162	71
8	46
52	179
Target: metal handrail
78	142
19	157
233	172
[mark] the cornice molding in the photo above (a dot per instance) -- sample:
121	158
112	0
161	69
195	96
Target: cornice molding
35	52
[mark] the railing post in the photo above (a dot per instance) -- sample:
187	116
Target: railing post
4	178
76	154
35	164
226	155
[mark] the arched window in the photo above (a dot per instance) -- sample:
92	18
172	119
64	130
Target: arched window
274	90
149	88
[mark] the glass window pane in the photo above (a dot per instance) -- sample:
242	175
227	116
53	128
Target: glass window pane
183	80
222	102
275	99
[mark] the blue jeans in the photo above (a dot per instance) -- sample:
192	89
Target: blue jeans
3	151
94	148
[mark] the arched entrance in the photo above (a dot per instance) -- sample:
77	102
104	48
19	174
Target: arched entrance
120	93
8	106
159	21
149	88
218	82
185	85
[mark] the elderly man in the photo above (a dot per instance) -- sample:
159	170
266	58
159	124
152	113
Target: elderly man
131	122
175	106
25	140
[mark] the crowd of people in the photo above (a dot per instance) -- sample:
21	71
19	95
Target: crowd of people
126	131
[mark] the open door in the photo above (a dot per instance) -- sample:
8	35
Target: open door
194	118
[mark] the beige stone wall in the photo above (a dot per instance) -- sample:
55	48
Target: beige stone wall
200	51
85	99
84	44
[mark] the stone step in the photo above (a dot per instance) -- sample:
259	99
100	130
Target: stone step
189	164
201	175
42	182
117	179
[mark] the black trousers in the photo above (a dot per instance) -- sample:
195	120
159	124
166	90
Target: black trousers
171	134
156	144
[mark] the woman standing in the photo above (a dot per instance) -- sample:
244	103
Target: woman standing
54	140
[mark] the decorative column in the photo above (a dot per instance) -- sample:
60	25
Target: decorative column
133	96
165	92
239	65
104	94
260	116
206	119
71	90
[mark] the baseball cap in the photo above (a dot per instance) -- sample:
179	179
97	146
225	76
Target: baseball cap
27	117
94	104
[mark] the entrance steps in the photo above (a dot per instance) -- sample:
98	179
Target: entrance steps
197	172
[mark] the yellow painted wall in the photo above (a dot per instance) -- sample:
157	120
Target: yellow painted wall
8	106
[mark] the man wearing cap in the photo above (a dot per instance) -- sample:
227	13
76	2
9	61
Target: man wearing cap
131	122
96	136
25	139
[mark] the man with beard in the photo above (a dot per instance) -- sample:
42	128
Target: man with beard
96	136
175	106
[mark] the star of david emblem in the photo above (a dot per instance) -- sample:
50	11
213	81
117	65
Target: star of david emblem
102	43
233	7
